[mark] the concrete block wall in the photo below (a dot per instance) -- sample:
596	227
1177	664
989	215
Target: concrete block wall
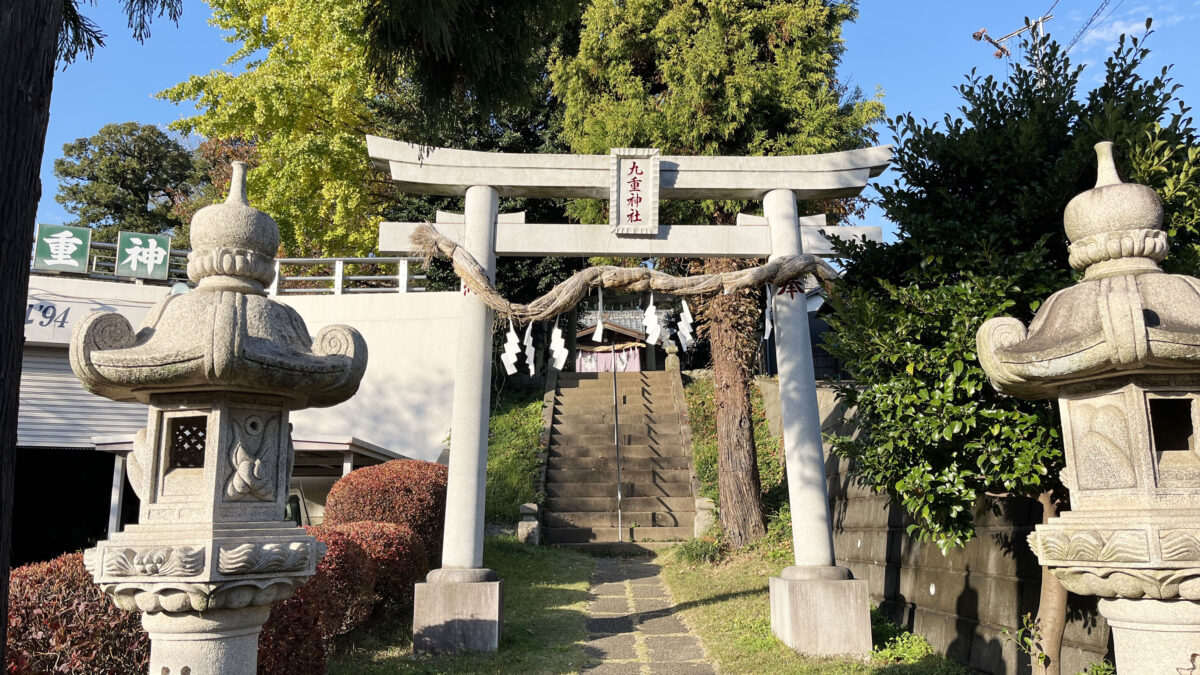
965	600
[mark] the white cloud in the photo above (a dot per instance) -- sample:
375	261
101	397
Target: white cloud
1110	30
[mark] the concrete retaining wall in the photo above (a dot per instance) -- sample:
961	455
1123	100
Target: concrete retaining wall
964	601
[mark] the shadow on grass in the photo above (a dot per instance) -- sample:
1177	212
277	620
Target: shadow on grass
545	602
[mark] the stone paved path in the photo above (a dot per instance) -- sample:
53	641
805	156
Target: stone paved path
632	626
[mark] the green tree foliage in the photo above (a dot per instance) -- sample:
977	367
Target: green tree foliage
709	77
490	51
306	101
214	158
125	177
303	100
978	203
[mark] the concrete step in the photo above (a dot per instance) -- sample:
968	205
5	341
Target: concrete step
581	535
665	432
652	476
628	490
606	385
606	417
604	406
603	392
609	463
613	549
626	440
673	504
632	412
609	450
628	519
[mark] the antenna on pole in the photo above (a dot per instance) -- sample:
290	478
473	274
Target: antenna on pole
1001	50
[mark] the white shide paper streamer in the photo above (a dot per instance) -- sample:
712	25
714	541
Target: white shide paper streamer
512	349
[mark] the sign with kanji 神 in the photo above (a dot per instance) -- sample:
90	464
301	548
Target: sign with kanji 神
633	191
62	248
146	256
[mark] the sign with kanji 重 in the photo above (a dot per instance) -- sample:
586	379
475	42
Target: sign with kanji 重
62	248
633	191
146	256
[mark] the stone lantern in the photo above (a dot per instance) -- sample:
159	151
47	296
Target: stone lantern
219	367
1121	351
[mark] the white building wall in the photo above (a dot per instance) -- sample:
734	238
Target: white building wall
55	409
404	401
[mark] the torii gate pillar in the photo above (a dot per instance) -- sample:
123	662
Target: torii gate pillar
816	607
460	607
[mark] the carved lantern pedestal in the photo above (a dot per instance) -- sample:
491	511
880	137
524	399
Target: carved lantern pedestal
220	368
1121	352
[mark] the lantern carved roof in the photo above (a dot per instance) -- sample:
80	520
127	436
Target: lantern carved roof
1125	315
226	334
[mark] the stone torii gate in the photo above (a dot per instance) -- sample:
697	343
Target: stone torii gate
816	607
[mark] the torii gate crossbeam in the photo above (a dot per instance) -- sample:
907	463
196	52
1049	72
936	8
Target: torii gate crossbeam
816	607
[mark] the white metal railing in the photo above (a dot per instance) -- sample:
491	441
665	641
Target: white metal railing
293	276
337	276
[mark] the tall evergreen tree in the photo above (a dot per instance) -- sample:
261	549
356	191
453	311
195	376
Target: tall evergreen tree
978	203
126	177
715	77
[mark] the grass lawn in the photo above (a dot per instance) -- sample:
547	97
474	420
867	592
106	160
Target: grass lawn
728	607
545	602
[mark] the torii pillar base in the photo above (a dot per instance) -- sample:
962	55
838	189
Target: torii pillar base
451	616
821	611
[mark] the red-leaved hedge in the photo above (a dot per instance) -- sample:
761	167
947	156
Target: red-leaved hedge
403	491
288	644
343	589
60	622
399	558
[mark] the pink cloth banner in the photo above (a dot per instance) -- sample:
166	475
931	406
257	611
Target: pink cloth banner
627	360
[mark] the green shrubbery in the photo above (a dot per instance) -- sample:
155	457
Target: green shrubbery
894	645
702	418
701	550
513	447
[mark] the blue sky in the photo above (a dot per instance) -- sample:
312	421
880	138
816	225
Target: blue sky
916	52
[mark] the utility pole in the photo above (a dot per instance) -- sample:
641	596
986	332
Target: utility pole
1001	50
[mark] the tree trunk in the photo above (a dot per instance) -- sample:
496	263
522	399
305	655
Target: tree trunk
731	322
1052	608
28	39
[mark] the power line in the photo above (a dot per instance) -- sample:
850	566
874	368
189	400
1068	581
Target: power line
1110	12
1083	30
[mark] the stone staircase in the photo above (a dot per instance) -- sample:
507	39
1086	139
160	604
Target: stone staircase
581	469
